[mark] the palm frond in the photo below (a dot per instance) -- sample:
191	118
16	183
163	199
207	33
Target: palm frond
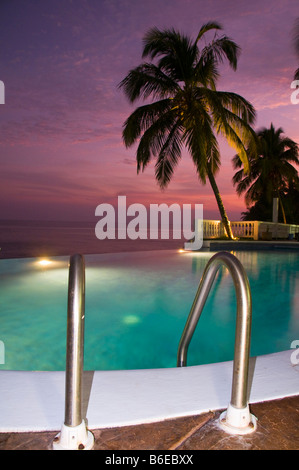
237	162
208	27
169	156
206	73
230	114
142	118
176	52
153	139
201	142
148	80
291	155
237	105
221	49
165	42
242	183
238	176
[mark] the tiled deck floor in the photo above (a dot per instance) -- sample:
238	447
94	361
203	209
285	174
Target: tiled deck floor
278	429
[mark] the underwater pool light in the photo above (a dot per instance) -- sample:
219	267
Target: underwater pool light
44	262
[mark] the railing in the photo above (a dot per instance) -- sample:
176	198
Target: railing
212	229
215	229
245	229
248	229
74	434
237	418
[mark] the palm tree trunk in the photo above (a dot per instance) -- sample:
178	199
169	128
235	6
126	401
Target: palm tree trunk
222	210
277	194
282	209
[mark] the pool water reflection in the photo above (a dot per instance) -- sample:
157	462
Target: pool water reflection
136	308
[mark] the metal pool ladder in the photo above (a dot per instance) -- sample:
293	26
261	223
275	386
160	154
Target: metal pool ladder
74	435
237	419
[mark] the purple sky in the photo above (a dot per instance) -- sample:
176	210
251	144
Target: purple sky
61	150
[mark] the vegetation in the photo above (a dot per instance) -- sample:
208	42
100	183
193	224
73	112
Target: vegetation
187	110
262	210
272	174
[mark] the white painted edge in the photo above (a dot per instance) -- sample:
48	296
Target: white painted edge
34	401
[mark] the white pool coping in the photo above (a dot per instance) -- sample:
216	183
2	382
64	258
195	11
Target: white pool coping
34	401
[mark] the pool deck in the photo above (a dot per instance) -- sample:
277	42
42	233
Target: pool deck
173	409
278	429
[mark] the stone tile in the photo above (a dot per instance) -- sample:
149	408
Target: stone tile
26	441
164	435
278	429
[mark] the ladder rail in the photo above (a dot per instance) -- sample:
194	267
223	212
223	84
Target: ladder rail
74	434
75	341
243	322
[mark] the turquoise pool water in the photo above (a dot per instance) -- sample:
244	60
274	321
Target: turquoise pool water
136	308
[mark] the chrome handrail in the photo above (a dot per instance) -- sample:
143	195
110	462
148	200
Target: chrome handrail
75	341
74	434
243	324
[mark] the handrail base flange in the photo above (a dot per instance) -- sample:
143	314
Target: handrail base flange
237	421
74	438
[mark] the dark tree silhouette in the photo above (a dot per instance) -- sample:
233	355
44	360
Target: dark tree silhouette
271	170
187	109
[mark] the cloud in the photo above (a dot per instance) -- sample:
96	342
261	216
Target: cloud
129	161
60	129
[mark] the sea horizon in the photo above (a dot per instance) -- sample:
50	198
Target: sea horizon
43	238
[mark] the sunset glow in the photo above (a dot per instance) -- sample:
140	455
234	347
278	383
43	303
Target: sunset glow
61	146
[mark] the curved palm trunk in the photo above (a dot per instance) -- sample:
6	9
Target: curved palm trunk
222	210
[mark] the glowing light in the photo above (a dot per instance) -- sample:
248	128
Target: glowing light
131	319
44	262
181	250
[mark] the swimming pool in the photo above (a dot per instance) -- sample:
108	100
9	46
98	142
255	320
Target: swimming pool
136	307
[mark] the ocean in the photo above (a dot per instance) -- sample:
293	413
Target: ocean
25	238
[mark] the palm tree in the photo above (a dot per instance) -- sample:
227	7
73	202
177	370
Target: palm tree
271	169
186	110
